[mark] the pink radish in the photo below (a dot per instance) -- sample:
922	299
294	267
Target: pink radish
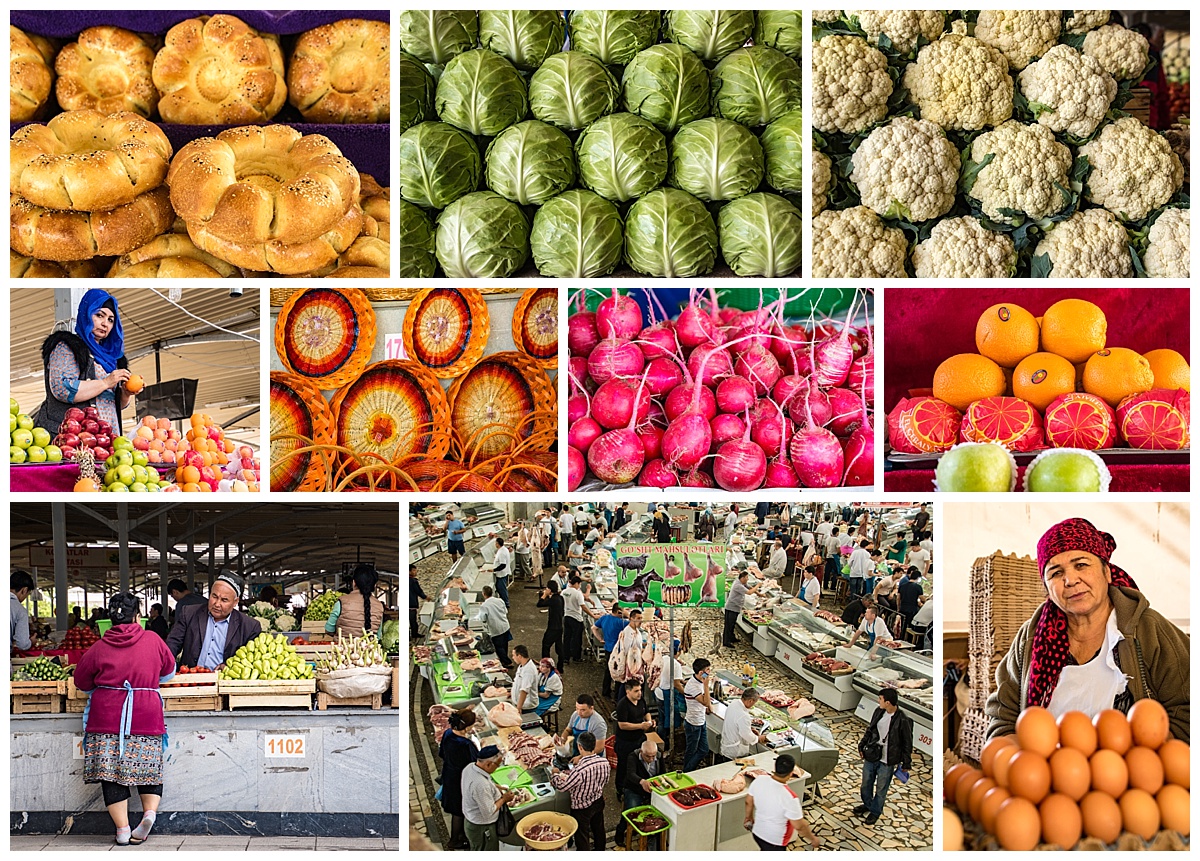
789	348
577	407
663	375
862	369
577	373
816	454
810	398
657	474
617	456
834	355
651	437
618	317
613	404
582	334
740	465
772	432
726	427
659	341
693	326
583	433
735	394
657	416
787	388
860	450
846	413
709	364
780	474
576	468
680	397
696	478
613	358
758	365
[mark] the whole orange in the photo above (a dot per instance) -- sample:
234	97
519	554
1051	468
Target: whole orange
1074	329
968	377
1042	377
1116	373
1171	370
1006	334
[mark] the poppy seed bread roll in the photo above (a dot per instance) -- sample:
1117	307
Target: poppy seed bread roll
106	69
219	71
30	74
86	161
341	73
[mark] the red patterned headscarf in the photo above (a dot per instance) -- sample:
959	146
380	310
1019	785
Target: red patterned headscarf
1051	650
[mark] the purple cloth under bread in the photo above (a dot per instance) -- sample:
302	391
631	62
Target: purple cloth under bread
68	23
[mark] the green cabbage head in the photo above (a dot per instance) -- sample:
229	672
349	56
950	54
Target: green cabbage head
783	145
437	37
667	85
482	93
669	234
576	235
614	38
416	92
709	35
572	90
530	162
482	235
438	164
622	156
716	159
755	86
524	38
783	31
417	259
760	235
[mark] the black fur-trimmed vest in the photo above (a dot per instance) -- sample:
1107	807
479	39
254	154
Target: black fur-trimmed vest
51	413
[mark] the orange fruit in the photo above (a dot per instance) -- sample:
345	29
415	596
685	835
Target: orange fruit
1074	329
1006	334
1171	370
189	474
86	485
968	377
1042	377
134	384
191	487
1116	373
204	488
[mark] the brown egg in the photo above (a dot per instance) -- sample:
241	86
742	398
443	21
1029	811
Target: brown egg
963	790
1070	773
953	776
1018	825
1149	724
1174	806
1139	812
1176	760
1145	769
1029	776
1075	730
1037	731
952	831
993	799
1001	763
975	796
1101	816
1062	823
1112	731
987	756
1109	773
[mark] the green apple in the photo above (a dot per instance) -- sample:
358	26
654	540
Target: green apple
125	474
1067	471
140	458
53	454
22	438
13	406
12	422
36	454
16	454
124	457
139	473
976	467
122	443
117	488
110	477
41	437
138	487
24	421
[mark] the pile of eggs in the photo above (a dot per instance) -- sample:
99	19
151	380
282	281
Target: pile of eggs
1056	781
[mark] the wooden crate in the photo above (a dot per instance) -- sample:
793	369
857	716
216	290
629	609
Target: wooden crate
396	684
75	707
265	693
73	693
312	626
324	701
209	703
312	653
190	685
38	698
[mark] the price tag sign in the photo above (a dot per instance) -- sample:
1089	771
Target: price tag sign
285	746
393	347
76	747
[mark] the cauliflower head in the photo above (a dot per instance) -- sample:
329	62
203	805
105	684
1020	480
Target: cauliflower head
902	26
1068	91
1133	169
1123	53
961	83
855	243
964	248
822	180
1169	252
1020	36
1088	19
907	169
1089	244
1027	166
825	16
851	86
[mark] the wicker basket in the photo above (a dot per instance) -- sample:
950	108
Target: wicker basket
1005	590
298	408
326	335
380	410
535	325
501	390
446	330
280	295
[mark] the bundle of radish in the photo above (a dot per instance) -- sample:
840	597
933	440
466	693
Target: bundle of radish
718	397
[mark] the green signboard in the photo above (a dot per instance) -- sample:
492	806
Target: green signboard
670	575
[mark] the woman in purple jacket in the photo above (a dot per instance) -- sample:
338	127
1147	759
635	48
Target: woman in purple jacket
124	730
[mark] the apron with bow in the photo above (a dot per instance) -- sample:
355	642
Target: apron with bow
126	712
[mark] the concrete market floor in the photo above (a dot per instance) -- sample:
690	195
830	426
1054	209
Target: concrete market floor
907	819
200	843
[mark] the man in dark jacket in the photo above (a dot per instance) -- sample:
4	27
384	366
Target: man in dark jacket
636	781
886	747
208	635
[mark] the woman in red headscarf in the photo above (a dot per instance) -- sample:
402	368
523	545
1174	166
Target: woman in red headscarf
1094	644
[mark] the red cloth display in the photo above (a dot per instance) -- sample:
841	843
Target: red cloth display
57	477
1153	478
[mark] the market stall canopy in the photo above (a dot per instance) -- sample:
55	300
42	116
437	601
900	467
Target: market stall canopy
225	365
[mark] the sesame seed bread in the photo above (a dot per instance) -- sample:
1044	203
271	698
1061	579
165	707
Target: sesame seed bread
55	234
340	73
106	69
279	257
177	248
30	74
20	266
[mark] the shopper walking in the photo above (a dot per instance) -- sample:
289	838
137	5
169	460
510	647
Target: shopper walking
457	750
494	616
415	596
833	556
735	601
454	537
885	748
773	812
124	729
552	600
695	720
482	800
523	547
573	618
501	568
584	784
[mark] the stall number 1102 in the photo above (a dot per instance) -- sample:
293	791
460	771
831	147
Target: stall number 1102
284	745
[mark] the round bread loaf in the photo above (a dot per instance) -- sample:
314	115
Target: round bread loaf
341	73
55	234
367	251
175	247
219	71
258	184
20	266
30	74
280	257
106	69
359	272
86	161
168	267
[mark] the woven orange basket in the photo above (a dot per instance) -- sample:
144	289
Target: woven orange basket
446	329
326	335
535	325
298	409
500	392
393	409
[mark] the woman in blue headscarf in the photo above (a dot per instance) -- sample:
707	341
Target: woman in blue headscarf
87	367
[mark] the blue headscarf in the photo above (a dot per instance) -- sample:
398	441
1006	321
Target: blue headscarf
108	351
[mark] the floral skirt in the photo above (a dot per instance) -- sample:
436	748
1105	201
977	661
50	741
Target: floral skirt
142	764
